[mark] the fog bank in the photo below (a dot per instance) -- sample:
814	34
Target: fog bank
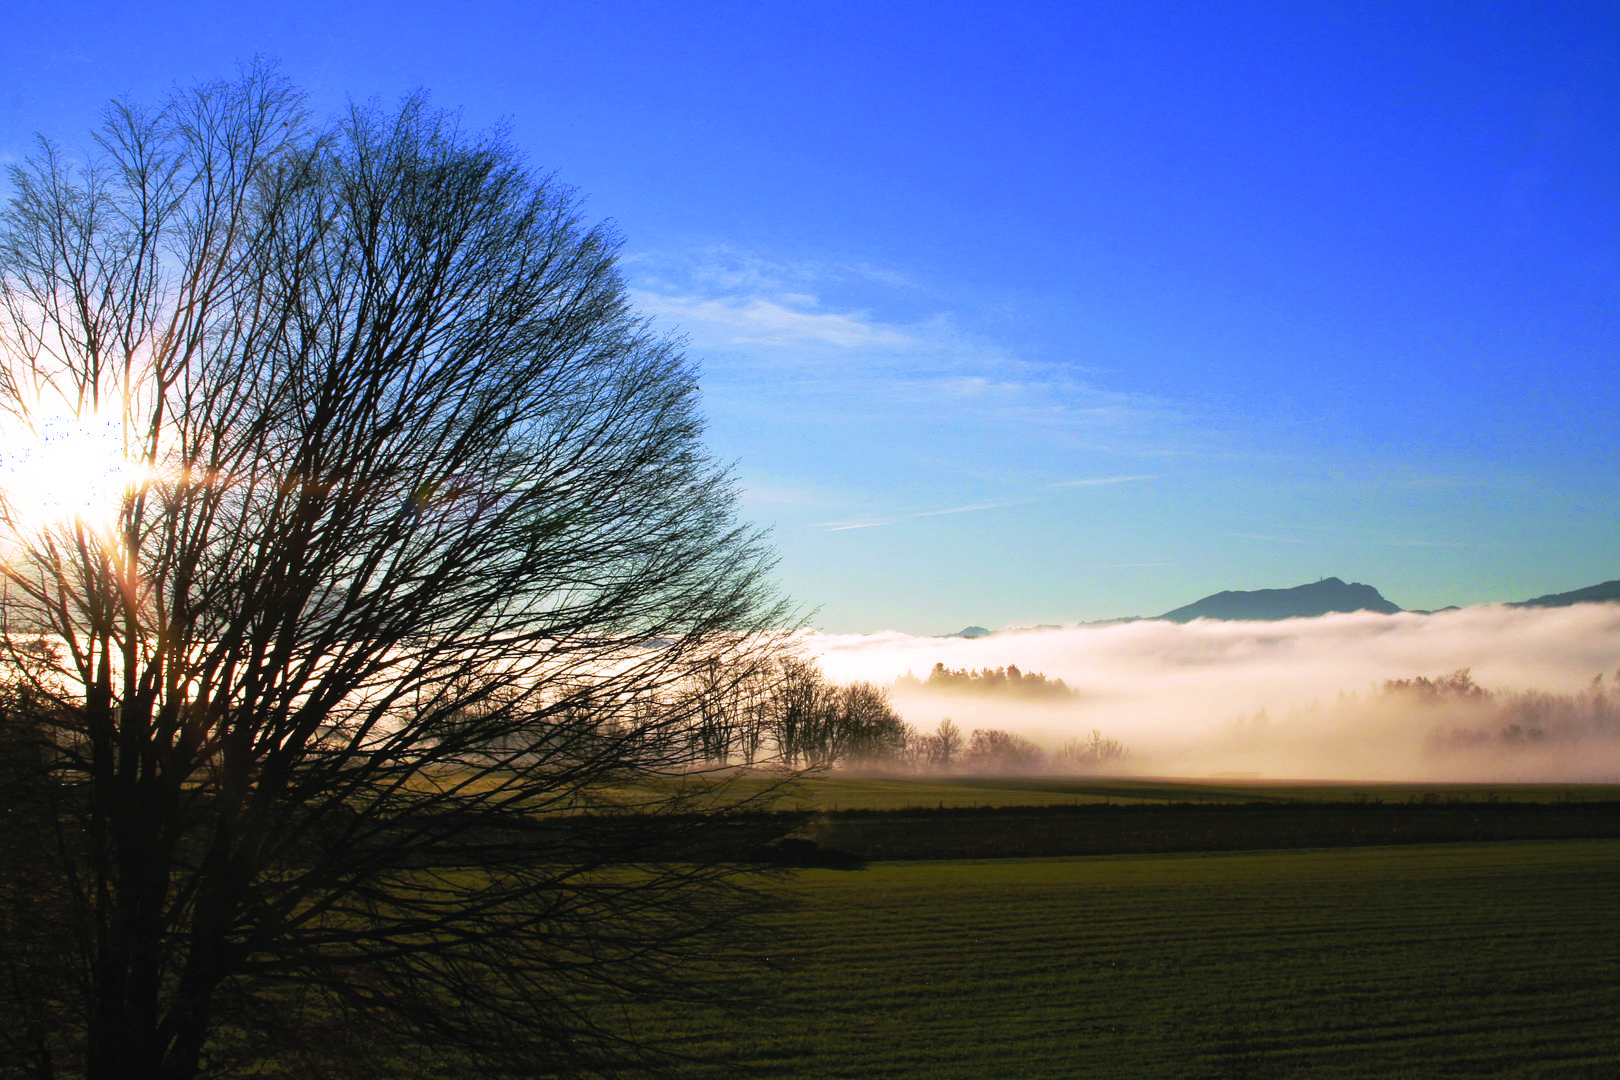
1183	698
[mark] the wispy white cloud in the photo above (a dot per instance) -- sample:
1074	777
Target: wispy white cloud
857	363
895	519
969	508
725	269
781	323
862	333
846	526
1100	481
974	508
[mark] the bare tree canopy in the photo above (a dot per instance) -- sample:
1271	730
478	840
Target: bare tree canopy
350	690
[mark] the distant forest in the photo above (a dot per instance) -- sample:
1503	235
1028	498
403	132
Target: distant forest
1463	717
1007	682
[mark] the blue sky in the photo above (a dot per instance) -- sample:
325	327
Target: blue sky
1040	313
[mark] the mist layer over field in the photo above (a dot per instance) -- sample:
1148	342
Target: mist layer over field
1300	698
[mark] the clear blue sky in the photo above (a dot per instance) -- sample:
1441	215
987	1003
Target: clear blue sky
1033	313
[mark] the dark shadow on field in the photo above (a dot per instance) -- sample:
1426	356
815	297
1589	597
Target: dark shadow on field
1111	829
802	853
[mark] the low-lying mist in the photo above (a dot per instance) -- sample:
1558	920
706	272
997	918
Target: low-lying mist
1301	698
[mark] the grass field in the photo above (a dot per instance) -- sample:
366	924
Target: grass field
1464	960
843	791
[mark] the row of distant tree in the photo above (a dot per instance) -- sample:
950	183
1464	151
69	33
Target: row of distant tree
1006	681
1463	716
793	714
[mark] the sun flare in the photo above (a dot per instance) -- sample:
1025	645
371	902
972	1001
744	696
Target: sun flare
58	469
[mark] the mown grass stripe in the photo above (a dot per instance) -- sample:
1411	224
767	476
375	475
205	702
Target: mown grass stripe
1458	960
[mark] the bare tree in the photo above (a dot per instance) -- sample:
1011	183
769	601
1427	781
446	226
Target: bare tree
1095	752
944	747
866	729
803	704
733	707
991	750
362	691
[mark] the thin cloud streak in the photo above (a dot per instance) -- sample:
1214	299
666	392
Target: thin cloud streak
1100	481
974	508
844	526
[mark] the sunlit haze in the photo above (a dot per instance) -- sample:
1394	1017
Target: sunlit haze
1183	698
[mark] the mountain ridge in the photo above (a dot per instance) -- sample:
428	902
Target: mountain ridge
1330	595
1601	593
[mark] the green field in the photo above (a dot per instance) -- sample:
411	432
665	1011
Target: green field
1462	960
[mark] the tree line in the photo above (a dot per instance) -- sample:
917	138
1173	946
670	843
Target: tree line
1463	717
1007	682
791	712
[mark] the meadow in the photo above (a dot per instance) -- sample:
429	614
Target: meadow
1459	960
855	791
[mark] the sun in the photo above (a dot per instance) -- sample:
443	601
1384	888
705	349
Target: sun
58	469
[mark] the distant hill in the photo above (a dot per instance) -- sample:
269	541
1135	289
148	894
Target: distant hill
1592	594
1319	598
1303	601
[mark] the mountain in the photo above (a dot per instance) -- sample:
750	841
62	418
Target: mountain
1303	601
1319	598
1609	590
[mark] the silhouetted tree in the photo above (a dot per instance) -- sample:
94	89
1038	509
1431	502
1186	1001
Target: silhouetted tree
1459	686
1095	751
868	729
999	682
819	723
803	708
992	750
1467	723
942	749
39	922
733	705
370	708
